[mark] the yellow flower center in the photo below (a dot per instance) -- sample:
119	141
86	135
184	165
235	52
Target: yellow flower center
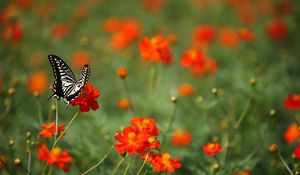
296	97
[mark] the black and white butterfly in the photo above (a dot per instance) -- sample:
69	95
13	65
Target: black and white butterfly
66	85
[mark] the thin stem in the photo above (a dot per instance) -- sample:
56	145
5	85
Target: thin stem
56	120
165	139
243	115
29	163
39	108
105	156
127	167
119	164
225	139
139	171
285	164
128	95
60	136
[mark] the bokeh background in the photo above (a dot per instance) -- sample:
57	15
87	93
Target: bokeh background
254	46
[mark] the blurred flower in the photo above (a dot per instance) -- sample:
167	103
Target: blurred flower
285	7
228	37
212	148
273	148
45	10
245	35
37	83
277	29
292	133
164	163
49	130
292	102
186	90
124	104
24	4
80	58
245	172
60	31
153	5
131	141
209	67
87	98
12	33
204	34
54	157
153	143
145	125
8	13
80	12
122	72
297	151
181	138
3	160
192	58
124	32
155	49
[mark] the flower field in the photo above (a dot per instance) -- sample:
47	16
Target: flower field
187	87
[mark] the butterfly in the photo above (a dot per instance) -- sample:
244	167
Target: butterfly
66	85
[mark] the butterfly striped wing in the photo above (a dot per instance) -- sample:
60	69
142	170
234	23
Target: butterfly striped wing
74	92
65	84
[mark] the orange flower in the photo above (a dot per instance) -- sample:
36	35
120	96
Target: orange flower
209	67
191	58
181	138
3	160
155	49
124	104
186	90
292	133
60	31
277	29
153	5
80	12
131	141
81	58
122	72
49	130
24	3
245	35
12	33
145	125
212	148
245	172
228	37
37	82
8	13
292	102
54	157
124	32
204	34
164	163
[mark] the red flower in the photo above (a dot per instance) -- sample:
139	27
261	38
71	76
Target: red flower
87	98
181	138
191	58
54	157
297	151
228	37
145	125
245	35
277	30
164	162
292	102
59	31
209	67
204	34
153	5
12	33
131	141
49	130
292	133
155	49
212	148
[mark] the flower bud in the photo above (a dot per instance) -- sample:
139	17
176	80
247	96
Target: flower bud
252	81
272	112
174	99
11	91
11	143
214	91
17	161
273	148
122	72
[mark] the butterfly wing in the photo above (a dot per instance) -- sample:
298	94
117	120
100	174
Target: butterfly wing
73	93
64	77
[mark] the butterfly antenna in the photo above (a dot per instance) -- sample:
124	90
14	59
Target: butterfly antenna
68	103
51	96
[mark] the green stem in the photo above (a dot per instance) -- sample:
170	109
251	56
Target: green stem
243	115
40	115
105	156
285	164
172	118
128	95
139	171
119	164
128	166
56	120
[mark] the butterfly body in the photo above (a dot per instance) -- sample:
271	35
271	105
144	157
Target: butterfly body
66	85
